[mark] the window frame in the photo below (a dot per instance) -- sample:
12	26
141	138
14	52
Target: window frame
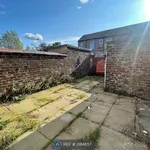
93	44
101	44
81	44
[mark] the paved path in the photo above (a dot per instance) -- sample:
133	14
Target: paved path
115	116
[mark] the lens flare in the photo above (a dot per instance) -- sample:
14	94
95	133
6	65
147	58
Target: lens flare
147	9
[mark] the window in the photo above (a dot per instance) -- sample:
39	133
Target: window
100	42
92	44
81	44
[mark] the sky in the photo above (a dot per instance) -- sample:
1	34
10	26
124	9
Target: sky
66	21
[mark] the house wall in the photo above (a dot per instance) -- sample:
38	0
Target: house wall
121	40
128	67
26	72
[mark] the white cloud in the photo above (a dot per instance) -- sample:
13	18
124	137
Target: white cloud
79	7
68	40
84	1
33	37
2	12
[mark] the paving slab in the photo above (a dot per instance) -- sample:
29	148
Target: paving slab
94	83
43	112
5	114
120	120
82	83
86	88
96	113
65	91
61	102
33	141
78	129
142	125
53	128
112	140
100	102
97	90
105	97
59	87
79	108
125	105
91	98
24	106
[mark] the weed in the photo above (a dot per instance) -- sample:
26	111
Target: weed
28	86
62	109
3	124
46	99
7	138
93	137
81	95
24	124
27	123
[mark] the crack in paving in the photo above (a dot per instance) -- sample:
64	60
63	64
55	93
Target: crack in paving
109	111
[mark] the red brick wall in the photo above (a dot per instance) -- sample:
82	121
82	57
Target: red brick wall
128	68
18	71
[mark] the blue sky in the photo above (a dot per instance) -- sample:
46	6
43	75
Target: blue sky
68	20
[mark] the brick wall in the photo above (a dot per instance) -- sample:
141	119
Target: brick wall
128	67
27	72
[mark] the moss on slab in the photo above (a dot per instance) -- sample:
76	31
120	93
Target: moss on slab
46	99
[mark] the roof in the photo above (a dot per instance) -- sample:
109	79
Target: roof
14	51
72	47
136	28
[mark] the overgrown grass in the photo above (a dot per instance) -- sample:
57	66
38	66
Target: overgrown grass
27	123
93	137
46	99
3	124
8	138
81	95
24	124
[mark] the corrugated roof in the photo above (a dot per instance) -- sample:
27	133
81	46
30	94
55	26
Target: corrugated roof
136	28
3	50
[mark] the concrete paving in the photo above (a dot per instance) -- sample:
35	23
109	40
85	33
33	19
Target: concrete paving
96	113
34	141
112	140
143	120
119	120
78	129
115	115
53	128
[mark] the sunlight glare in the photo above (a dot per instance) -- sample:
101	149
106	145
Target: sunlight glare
147	9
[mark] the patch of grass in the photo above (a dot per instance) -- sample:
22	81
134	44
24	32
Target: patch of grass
27	123
24	124
93	137
81	95
46	99
3	124
7	138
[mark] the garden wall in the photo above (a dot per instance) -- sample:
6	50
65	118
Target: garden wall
128	68
29	71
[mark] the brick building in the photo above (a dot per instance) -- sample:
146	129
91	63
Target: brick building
122	36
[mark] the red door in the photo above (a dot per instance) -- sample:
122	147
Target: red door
100	66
